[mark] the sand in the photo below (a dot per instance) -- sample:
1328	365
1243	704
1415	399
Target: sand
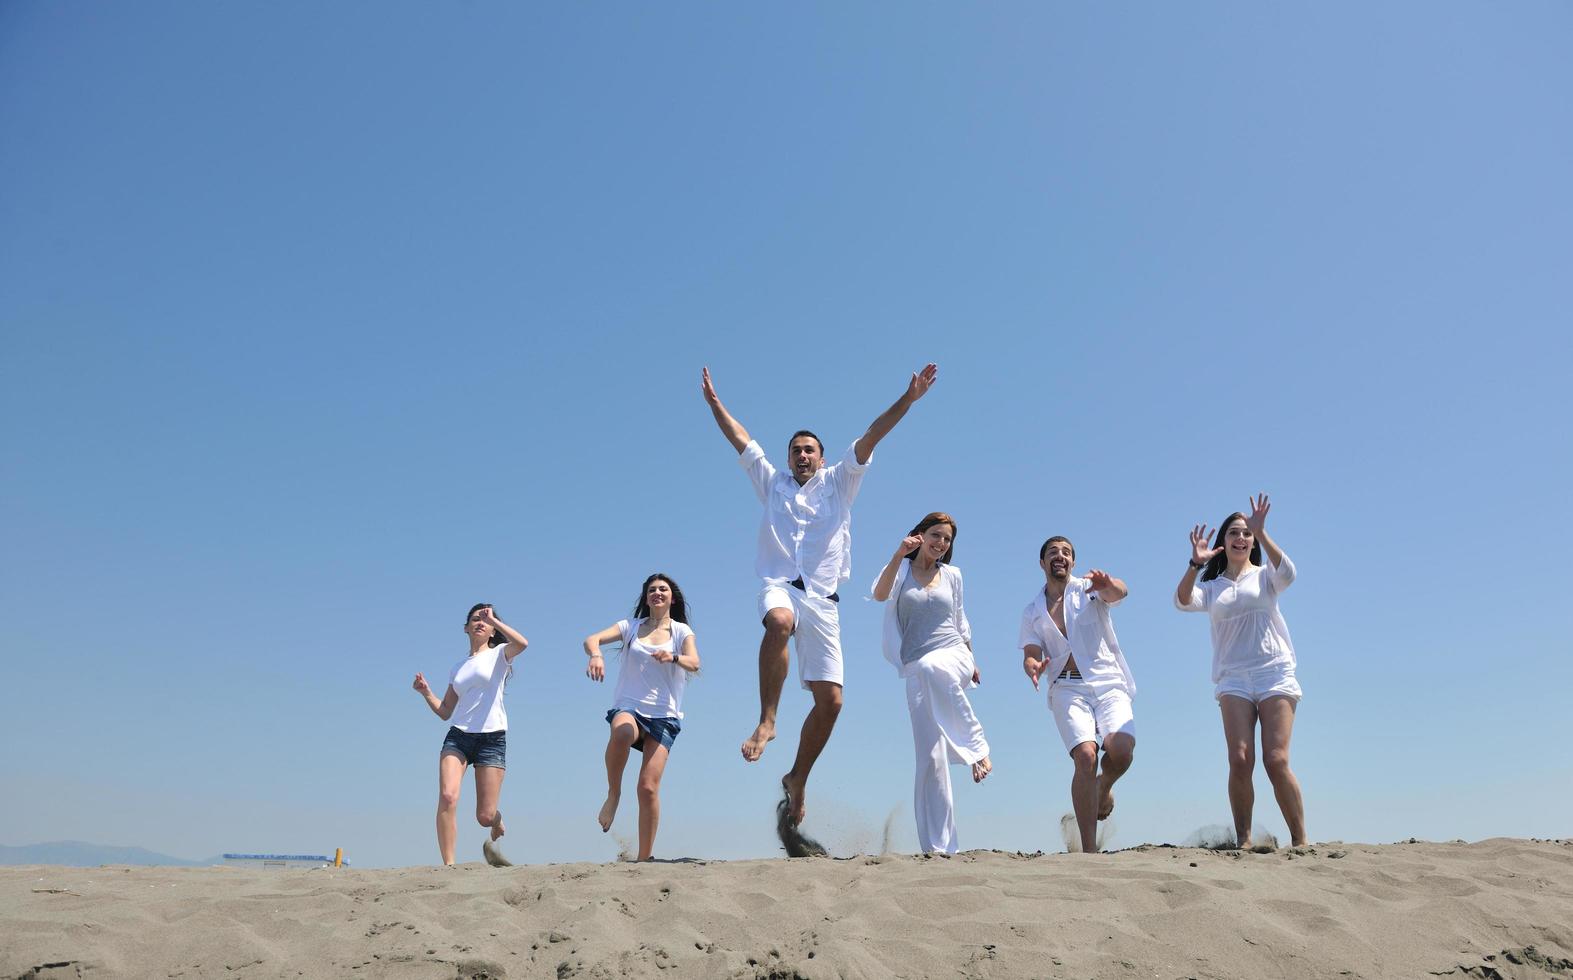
1498	908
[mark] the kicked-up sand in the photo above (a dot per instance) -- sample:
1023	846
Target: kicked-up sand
1494	909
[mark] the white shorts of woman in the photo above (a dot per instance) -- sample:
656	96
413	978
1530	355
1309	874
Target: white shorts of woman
1086	712
1256	686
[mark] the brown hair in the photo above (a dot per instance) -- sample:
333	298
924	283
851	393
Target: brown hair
938	517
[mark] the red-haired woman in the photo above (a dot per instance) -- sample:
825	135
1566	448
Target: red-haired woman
928	640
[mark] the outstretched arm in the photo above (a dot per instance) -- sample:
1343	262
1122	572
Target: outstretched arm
1201	554
730	427
916	388
1109	589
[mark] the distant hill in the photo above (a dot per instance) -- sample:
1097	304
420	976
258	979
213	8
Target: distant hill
80	854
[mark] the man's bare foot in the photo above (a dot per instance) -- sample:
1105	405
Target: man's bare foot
608	811
497	827
981	769
754	746
1106	803
793	788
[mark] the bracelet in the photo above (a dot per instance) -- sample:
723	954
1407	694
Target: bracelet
1196	566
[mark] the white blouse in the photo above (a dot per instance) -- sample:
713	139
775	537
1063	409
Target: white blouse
1249	632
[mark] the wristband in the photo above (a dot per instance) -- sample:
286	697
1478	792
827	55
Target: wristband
1193	564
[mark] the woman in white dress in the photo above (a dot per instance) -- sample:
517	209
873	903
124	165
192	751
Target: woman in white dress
479	734
657	655
1253	659
928	640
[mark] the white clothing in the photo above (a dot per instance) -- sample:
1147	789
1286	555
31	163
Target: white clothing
944	731
816	631
644	685
1089	634
890	638
1249	632
806	531
1258	685
479	681
1086	712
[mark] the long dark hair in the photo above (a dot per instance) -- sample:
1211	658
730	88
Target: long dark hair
1217	563
679	604
497	639
938	517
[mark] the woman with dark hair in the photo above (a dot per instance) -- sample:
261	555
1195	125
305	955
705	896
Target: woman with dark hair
928	640
479	735
1253	659
657	655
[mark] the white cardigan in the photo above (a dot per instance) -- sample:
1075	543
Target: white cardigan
891	639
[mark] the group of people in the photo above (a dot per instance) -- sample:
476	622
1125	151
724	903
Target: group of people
803	559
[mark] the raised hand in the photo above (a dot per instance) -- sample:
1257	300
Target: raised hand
487	615
922	381
420	685
1100	580
1201	551
597	669
1258	519
711	397
909	544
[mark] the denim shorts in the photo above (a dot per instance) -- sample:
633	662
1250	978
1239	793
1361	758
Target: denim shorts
478	749
663	730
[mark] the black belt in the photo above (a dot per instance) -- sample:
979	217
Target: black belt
797	584
1069	673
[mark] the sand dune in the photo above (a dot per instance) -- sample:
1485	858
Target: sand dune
1499	908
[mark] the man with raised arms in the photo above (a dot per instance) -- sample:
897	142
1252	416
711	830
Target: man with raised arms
1067	634
805	553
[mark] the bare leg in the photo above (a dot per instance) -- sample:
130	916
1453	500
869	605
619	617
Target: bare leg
625	732
773	664
1118	751
450	776
655	756
1277	714
821	721
488	790
1239	731
1084	794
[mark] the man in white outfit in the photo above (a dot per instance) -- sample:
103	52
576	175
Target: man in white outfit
1067	634
805	553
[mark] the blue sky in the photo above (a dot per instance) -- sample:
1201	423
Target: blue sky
323	322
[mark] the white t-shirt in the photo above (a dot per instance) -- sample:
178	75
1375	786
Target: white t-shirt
1089	634
1248	630
479	681
806	531
646	686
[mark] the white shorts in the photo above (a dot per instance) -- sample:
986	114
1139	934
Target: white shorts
1258	685
816	631
1084	713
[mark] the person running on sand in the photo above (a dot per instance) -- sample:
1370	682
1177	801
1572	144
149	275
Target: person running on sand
658	653
1067	633
928	640
1253	660
479	736
804	554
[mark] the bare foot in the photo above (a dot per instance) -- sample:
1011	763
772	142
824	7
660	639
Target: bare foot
497	828
608	811
754	746
1106	804
793	788
980	770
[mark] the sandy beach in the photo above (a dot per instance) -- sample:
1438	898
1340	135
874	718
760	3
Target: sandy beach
1497	908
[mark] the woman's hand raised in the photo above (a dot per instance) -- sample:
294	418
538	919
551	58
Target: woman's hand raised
1201	551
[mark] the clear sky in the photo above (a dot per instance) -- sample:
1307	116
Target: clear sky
322	322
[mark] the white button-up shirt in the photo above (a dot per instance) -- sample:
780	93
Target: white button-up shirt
1089	634
1248	630
806	531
